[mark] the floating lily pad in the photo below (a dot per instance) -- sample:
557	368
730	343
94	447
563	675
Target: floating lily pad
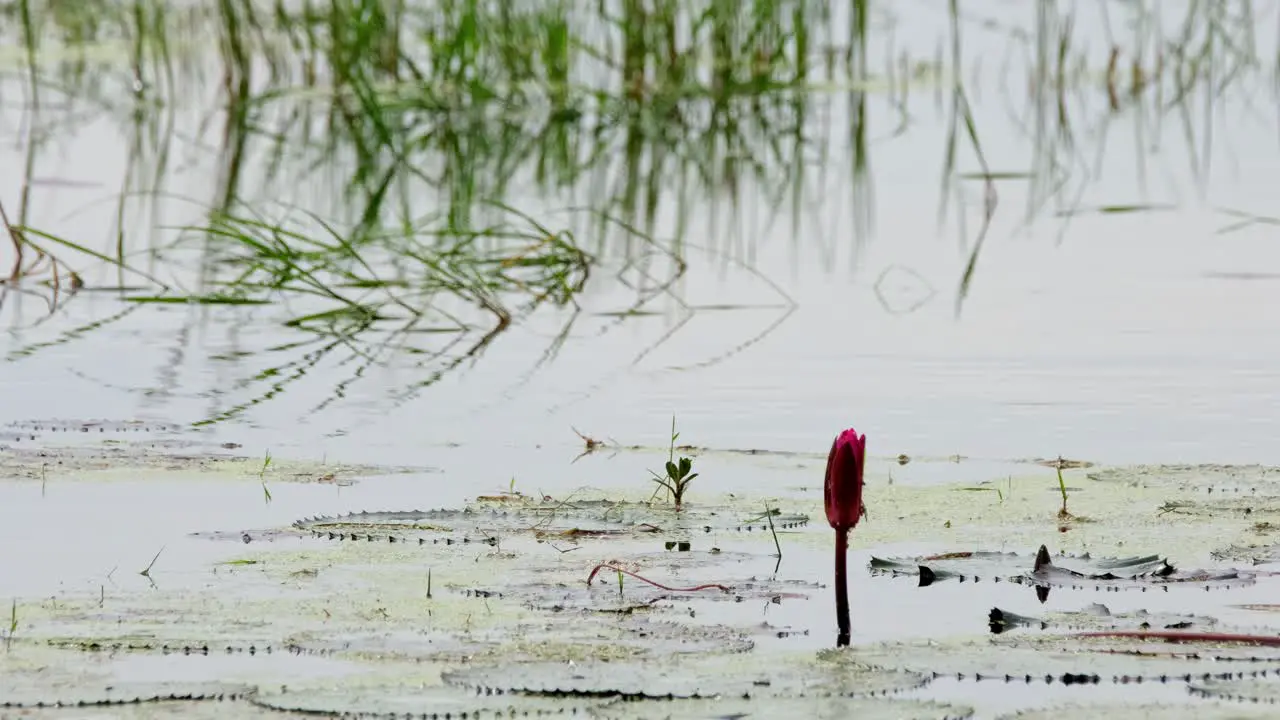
14	695
749	677
395	644
819	708
1248	554
569	636
33	675
170	646
576	520
603	595
1065	659
1220	480
1045	570
159	710
425	703
1123	711
1098	617
41	427
1259	690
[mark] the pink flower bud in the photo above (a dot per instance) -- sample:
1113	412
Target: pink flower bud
843	493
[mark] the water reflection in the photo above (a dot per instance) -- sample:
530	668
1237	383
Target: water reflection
327	163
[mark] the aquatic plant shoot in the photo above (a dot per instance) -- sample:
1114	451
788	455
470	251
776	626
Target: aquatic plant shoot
842	496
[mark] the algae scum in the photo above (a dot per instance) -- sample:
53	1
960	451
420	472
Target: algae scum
598	604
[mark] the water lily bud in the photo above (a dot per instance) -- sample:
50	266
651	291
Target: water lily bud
843	494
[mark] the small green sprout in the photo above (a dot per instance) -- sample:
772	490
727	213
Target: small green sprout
1062	485
262	477
13	623
678	474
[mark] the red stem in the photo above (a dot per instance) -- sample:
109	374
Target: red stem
1187	636
842	587
696	588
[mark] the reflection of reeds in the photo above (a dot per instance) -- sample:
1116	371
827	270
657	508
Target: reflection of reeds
646	112
962	113
366	291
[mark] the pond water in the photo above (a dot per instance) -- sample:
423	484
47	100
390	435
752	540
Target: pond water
1124	336
778	263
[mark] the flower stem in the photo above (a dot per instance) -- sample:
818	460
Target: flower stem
842	587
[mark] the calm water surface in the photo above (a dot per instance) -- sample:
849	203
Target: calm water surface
819	293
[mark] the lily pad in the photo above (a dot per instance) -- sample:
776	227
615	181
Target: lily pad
636	594
820	708
33	675
568	636
98	427
1045	570
1249	554
425	703
1258	690
1208	480
1121	711
159	710
1097	617
546	519
734	678
15	695
1065	659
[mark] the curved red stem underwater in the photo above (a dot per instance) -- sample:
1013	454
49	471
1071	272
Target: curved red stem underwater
695	588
